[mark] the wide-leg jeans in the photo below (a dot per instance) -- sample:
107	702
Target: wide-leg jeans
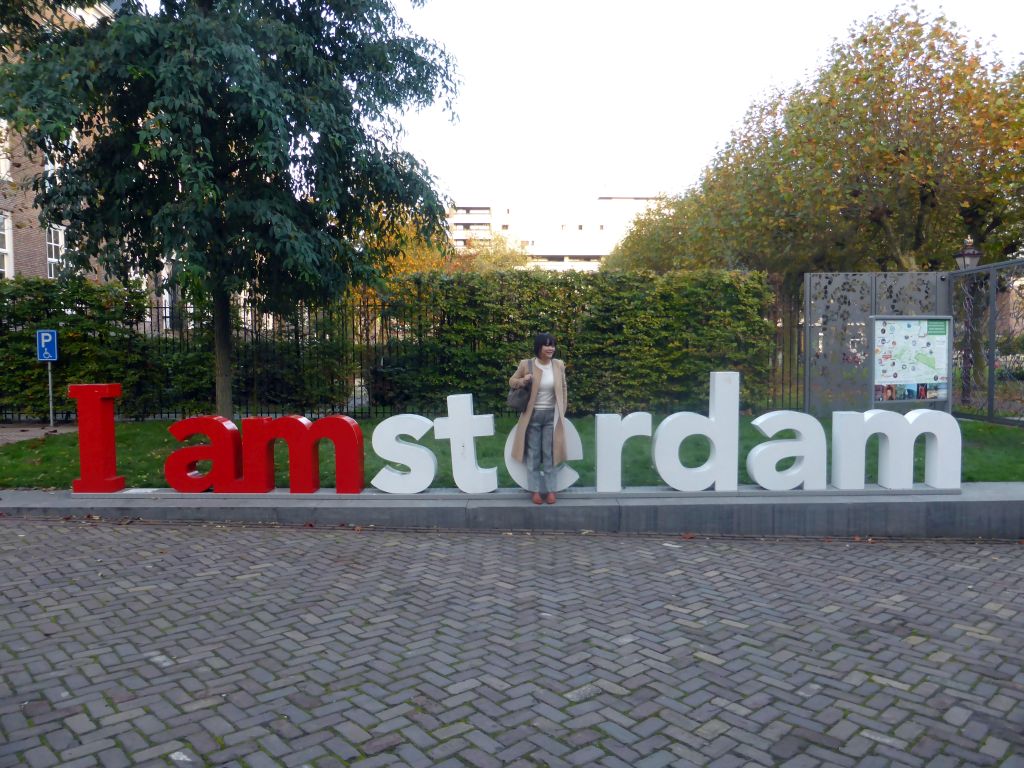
540	447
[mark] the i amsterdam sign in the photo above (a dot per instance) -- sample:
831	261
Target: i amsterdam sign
243	462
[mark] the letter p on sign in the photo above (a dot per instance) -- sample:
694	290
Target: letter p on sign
46	346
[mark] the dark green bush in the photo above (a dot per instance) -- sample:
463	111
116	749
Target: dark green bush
96	343
630	341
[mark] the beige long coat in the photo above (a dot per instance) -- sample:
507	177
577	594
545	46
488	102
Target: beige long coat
561	400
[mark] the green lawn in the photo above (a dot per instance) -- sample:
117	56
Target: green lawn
991	453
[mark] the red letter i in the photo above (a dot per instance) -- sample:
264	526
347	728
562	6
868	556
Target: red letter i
97	452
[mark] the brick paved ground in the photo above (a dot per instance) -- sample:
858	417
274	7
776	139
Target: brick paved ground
189	646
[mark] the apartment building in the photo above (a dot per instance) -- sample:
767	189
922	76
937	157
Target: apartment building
572	236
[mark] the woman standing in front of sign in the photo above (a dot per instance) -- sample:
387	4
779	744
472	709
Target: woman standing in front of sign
540	433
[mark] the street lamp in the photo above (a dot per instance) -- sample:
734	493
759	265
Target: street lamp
968	256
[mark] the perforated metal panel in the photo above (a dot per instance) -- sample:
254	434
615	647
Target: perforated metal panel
837	308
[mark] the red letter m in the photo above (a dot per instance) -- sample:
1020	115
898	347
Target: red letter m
302	437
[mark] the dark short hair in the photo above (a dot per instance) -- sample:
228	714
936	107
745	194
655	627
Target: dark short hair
542	340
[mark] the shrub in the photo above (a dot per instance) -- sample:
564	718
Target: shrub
96	343
630	341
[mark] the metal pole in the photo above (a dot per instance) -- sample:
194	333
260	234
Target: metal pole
808	402
967	347
49	378
993	296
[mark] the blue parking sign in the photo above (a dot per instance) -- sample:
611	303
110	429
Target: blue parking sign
46	346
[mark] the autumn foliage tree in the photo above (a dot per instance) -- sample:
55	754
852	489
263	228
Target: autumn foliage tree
406	244
908	138
490	254
411	248
660	239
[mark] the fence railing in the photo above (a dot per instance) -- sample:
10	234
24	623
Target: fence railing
314	361
988	354
344	358
786	384
325	361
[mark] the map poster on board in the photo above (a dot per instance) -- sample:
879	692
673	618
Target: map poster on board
911	359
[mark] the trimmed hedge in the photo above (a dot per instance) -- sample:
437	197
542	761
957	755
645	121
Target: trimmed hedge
101	339
96	343
630	341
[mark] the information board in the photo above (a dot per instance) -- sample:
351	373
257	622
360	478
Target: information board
911	359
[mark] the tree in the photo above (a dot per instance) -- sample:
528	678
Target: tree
242	142
487	255
423	253
905	127
659	239
908	138
651	242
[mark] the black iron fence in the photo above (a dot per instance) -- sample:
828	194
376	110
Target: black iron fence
345	358
988	346
786	382
339	359
314	361
348	357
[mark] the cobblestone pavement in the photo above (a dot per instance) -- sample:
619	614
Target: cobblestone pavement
212	645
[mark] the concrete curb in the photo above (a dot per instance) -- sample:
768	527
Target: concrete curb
979	510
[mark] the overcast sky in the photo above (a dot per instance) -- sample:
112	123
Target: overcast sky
566	100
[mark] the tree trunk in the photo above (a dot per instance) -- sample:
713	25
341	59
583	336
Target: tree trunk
222	342
925	203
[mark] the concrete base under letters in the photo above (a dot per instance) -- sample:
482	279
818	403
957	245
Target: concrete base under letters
978	510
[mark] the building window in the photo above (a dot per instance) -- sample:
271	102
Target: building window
579	227
6	246
504	227
54	251
52	166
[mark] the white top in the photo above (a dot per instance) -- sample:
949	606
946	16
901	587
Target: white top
546	391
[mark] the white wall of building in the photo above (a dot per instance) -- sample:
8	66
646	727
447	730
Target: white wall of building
573	236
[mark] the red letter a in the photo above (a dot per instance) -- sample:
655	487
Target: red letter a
224	452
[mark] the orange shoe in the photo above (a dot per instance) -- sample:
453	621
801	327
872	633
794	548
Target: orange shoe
550	498
536	499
